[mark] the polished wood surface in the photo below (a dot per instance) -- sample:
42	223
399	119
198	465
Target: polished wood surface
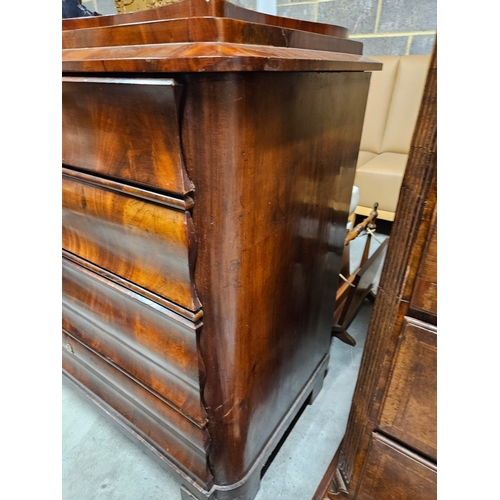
181	38
206	193
202	8
142	242
395	393
394	473
157	423
160	198
270	245
148	341
205	29
127	129
209	56
409	411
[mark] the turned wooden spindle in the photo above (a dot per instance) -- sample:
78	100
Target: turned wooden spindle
369	223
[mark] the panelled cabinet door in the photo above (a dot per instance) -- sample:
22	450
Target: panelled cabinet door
392	472
410	407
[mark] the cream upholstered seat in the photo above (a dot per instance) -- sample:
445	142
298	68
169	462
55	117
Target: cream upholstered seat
391	113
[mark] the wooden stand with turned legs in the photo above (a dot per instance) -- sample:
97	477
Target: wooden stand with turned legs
354	288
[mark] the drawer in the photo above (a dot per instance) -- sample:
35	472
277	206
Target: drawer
154	345
409	411
391	472
137	409
140	241
127	129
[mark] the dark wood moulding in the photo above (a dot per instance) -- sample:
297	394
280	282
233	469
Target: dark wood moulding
203	8
193	36
205	29
209	57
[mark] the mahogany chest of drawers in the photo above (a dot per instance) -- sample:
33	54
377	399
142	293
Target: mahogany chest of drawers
205	195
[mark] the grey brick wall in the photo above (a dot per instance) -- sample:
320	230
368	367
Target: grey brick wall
385	27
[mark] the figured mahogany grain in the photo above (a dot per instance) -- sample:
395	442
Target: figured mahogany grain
209	57
271	226
157	423
205	29
197	8
148	244
268	132
126	129
154	345
170	201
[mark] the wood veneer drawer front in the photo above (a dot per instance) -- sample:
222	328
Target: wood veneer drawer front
127	129
161	426
409	410
143	242
154	345
392	472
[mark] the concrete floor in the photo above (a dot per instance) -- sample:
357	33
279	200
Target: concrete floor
99	462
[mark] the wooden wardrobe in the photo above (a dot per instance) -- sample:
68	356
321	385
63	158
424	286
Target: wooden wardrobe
389	451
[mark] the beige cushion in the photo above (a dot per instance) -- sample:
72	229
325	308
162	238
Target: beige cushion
379	180
391	113
378	103
363	157
405	103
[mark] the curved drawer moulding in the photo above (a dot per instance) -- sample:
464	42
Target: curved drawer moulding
145	243
164	428
154	345
126	129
